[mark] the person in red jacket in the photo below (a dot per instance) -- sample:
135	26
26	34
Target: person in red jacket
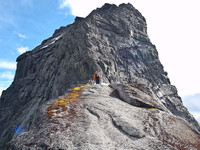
97	78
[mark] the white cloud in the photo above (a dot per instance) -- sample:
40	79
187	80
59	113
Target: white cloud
22	49
64	3
175	34
22	36
7	65
7	75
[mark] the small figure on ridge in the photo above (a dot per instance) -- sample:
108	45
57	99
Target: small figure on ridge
97	77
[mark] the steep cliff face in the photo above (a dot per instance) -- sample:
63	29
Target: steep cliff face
111	40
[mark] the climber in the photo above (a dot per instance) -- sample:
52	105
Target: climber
97	77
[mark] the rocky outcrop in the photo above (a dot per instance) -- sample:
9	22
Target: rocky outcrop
138	95
112	40
100	120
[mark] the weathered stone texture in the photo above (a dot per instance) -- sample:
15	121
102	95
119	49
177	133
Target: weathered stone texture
112	40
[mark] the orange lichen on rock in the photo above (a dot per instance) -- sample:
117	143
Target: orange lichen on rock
61	105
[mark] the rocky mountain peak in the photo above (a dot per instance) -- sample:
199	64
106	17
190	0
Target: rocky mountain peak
106	7
139	106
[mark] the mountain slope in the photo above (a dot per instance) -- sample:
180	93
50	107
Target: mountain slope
102	118
111	40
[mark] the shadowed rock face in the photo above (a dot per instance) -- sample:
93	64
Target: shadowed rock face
113	41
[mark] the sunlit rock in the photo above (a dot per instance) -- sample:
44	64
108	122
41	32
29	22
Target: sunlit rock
48	107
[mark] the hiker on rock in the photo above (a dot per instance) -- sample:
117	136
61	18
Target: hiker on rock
97	77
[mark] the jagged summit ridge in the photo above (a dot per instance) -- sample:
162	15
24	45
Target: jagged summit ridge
112	40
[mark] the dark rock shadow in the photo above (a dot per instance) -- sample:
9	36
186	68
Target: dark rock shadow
115	94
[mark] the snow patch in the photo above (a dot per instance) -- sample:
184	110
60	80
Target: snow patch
104	84
52	41
159	94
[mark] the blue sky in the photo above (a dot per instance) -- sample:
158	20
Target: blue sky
24	24
173	26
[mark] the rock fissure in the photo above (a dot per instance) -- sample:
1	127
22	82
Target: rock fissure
126	129
93	113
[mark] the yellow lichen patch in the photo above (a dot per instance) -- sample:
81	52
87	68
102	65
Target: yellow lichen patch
61	105
153	108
